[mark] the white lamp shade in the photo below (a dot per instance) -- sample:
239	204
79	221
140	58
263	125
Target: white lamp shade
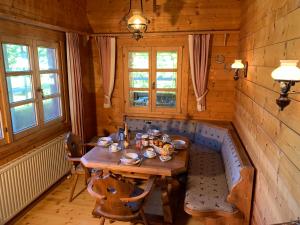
287	71
237	64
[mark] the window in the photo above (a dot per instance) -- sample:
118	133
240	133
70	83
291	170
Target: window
152	79
49	77
18	74
32	84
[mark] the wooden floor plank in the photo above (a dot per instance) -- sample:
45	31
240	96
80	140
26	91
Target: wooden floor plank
54	208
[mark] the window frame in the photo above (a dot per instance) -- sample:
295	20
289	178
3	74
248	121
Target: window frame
177	90
152	108
61	86
33	44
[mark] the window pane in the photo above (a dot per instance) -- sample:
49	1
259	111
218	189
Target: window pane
139	79
23	117
139	98
166	99
50	83
52	109
19	88
47	58
166	79
166	60
16	57
138	60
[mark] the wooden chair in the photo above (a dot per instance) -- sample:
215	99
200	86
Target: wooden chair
118	199
75	150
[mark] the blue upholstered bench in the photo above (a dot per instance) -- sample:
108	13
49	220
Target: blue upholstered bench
220	176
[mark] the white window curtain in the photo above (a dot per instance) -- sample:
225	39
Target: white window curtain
107	54
199	55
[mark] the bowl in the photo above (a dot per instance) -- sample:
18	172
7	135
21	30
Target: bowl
129	157
104	141
179	144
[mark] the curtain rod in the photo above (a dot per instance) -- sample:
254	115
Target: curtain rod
31	22
168	33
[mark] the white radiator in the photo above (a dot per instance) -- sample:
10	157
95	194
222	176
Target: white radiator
27	177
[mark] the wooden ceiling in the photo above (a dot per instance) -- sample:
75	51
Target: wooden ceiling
166	15
64	13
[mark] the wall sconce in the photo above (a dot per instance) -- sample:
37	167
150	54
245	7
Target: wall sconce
238	65
287	74
137	22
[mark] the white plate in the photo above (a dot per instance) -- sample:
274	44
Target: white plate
179	144
148	156
165	158
131	163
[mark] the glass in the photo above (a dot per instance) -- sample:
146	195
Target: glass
166	79
47	58
23	117
138	60
166	60
16	57
166	99
52	109
139	79
19	88
50	83
139	98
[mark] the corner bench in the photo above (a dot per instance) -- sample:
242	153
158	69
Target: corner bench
220	176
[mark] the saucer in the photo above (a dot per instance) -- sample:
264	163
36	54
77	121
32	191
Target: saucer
149	156
130	163
165	158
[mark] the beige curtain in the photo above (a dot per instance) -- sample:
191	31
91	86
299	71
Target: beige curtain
75	84
199	54
107	54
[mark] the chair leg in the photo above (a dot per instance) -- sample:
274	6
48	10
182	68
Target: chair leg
144	217
102	221
86	175
73	188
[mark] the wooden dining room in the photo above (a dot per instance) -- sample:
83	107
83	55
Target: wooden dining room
183	112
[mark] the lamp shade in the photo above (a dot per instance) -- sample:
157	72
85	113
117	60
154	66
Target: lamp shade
237	64
287	71
137	22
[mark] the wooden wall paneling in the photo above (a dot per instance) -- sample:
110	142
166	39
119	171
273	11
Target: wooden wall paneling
107	16
271	136
269	32
88	86
68	13
267	157
220	99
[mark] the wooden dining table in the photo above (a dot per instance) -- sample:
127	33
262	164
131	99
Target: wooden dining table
101	158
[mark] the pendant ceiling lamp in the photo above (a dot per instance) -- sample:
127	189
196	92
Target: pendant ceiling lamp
136	22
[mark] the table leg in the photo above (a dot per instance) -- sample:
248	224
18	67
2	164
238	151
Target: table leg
166	204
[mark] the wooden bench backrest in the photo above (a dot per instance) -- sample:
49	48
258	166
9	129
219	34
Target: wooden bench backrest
239	176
